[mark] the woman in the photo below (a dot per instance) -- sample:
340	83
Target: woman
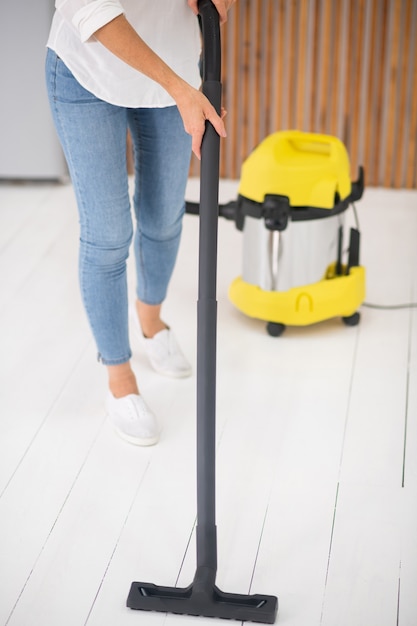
113	65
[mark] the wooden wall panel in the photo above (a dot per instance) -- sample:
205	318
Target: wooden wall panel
344	67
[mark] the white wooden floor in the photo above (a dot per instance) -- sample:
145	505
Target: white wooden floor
317	439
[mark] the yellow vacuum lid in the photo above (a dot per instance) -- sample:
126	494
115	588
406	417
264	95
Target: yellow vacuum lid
310	168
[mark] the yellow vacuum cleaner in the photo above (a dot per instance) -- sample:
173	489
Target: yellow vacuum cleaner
294	191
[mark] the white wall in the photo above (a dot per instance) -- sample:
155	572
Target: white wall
29	147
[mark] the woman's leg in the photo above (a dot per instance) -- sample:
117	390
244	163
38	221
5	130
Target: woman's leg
162	159
93	136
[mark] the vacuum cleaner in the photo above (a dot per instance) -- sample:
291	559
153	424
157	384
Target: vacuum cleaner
294	191
203	597
293	194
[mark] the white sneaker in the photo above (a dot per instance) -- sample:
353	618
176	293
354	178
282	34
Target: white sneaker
132	420
163	351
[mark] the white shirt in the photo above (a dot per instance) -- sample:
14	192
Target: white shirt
168	26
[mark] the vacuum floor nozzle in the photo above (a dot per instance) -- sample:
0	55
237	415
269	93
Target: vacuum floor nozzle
203	602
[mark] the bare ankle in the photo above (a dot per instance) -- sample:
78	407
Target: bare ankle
149	316
122	380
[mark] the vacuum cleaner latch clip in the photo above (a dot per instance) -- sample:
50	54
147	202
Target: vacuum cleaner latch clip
276	211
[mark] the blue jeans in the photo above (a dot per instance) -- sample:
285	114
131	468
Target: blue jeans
93	136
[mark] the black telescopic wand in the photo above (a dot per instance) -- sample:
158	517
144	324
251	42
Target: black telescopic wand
202	597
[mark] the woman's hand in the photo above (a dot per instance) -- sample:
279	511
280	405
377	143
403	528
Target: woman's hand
195	109
222	7
195	118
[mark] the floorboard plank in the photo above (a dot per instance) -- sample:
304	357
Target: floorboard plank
364	561
364	569
51	218
17	205
295	541
33	501
43	330
375	434
410	435
408	573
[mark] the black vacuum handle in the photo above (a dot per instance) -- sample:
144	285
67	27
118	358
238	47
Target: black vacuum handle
210	149
209	23
207	304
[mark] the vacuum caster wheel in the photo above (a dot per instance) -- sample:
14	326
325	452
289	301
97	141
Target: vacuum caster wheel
275	329
352	320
